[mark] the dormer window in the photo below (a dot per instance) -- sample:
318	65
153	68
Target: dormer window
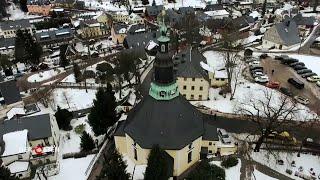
163	48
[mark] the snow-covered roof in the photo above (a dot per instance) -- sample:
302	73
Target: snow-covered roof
15	111
15	143
206	67
255	14
122	31
217	13
18	166
220	74
151	45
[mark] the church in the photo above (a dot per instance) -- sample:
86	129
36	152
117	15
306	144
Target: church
167	119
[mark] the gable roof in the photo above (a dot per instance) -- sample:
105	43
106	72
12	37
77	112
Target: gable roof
213	7
10	92
288	32
307	21
7	43
38	126
154	10
15	25
54	35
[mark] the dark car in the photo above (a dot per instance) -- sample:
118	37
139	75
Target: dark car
281	57
289	61
263	56
299	67
305	75
303	71
256	70
286	91
296	63
296	83
256	67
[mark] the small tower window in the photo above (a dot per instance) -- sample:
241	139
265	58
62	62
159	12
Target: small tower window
163	48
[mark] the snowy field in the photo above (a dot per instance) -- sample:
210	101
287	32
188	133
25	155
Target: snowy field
136	170
73	99
246	91
73	169
44	75
232	173
260	176
307	162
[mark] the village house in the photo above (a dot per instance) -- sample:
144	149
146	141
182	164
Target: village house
119	33
8	29
120	16
135	19
282	35
7	46
192	79
28	141
65	3
40	7
153	11
9	96
171	122
54	37
104	18
138	37
218	78
92	29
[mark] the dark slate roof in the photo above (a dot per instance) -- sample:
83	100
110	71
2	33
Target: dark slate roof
288	32
7	42
214	7
171	124
55	35
119	26
133	28
38	126
38	2
242	22
120	129
15	25
210	133
31	108
306	21
191	68
10	92
186	10
140	39
173	16
154	10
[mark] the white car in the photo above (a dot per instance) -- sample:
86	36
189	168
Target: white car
254	63
302	100
318	83
257	74
261	79
313	78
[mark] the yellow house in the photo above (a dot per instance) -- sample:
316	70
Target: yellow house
92	28
119	33
218	78
192	79
167	119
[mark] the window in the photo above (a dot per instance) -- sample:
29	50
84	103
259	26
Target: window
163	48
201	88
184	87
192	87
184	95
185	79
189	156
193	79
190	146
210	143
210	152
200	97
135	153
192	96
19	156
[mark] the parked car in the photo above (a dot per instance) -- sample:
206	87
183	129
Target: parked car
286	91
302	71
302	100
318	83
254	63
261	79
263	56
305	75
224	136
256	70
257	74
296	63
256	67
296	83
281	57
273	84
289	61
299	67
313	78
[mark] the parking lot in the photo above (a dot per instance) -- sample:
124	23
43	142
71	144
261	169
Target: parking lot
283	72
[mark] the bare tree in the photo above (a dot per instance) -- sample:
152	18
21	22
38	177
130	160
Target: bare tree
270	113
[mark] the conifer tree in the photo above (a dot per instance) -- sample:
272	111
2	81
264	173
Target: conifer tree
157	168
145	2
87	143
207	171
23	5
114	167
77	73
63	60
103	114
63	117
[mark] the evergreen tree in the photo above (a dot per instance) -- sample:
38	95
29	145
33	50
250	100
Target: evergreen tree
114	168
63	117
157	168
5	174
103	114
77	73
5	62
23	5
87	143
207	171
63	60
145	2
264	8
19	50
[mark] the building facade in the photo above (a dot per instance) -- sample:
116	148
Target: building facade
8	29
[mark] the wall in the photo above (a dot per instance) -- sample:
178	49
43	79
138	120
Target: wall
12	32
185	88
117	38
211	148
121	144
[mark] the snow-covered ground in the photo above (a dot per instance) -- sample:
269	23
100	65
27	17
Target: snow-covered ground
245	92
307	161
73	169
105	5
73	99
232	173
260	176
137	171
44	75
